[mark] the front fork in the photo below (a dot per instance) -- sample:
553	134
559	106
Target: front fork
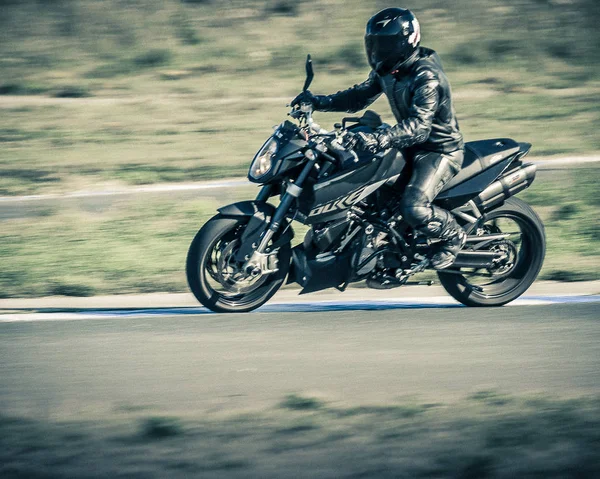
255	265
265	193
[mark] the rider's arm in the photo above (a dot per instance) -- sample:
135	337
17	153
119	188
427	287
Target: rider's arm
353	99
417	127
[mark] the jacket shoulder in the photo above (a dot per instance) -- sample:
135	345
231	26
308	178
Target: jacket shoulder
429	67
427	55
426	73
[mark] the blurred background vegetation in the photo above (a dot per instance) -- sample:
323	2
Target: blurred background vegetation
97	94
144	91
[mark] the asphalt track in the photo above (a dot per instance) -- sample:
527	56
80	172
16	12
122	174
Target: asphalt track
357	352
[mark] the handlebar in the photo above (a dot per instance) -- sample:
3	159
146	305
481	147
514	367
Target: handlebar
304	112
341	139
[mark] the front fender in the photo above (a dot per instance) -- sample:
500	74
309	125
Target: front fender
248	208
260	214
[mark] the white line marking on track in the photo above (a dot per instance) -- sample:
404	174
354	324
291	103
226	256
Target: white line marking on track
288	307
161	188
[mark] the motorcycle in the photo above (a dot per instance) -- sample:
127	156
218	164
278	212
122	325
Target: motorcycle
349	198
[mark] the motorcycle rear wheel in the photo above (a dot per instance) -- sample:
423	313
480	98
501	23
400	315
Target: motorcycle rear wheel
525	250
214	276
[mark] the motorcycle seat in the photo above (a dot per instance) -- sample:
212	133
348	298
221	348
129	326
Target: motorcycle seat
481	155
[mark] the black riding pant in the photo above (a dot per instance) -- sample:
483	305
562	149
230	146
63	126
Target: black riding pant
430	172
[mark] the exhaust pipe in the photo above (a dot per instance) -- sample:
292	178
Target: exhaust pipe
476	259
508	185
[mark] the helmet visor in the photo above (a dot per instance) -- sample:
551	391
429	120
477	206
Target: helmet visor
384	52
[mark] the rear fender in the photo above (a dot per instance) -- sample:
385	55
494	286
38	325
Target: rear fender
260	214
524	149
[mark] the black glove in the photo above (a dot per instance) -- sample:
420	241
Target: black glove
306	97
373	142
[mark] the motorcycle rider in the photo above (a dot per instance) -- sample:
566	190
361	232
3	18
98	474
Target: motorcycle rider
419	94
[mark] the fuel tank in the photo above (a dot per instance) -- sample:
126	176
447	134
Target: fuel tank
330	198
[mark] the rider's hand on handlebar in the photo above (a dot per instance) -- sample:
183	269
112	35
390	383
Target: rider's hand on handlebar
373	142
305	97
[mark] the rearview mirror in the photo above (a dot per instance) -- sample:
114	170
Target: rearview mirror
309	73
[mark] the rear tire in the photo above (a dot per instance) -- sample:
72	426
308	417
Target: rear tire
203	278
528	262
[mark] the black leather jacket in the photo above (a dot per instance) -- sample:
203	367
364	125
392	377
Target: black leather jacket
420	98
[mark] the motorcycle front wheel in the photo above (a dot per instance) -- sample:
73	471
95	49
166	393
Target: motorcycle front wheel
217	279
523	255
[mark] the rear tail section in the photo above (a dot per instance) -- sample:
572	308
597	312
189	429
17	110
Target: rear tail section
492	186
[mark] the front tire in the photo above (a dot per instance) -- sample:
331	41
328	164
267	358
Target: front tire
211	269
525	249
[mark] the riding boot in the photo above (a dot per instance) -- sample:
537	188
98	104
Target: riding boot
452	237
453	240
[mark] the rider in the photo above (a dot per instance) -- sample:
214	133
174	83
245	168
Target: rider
419	94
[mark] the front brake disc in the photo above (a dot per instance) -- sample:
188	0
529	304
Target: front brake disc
230	274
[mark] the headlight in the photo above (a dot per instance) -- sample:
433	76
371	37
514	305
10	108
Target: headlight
263	161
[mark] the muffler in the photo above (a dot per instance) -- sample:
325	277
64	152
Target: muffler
508	185
477	259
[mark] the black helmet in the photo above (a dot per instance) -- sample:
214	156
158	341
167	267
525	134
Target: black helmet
392	39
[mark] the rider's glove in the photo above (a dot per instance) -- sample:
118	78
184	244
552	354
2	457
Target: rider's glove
307	97
374	142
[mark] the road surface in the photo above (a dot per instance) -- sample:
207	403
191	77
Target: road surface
189	363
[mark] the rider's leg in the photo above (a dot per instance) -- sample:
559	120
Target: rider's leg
430	172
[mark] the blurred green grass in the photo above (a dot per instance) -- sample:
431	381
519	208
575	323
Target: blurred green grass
98	94
137	92
486	435
139	245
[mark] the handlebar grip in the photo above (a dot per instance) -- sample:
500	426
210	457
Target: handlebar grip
306	107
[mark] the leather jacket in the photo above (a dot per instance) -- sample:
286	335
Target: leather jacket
420	98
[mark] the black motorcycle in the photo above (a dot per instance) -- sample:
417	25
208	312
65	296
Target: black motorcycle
349	199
